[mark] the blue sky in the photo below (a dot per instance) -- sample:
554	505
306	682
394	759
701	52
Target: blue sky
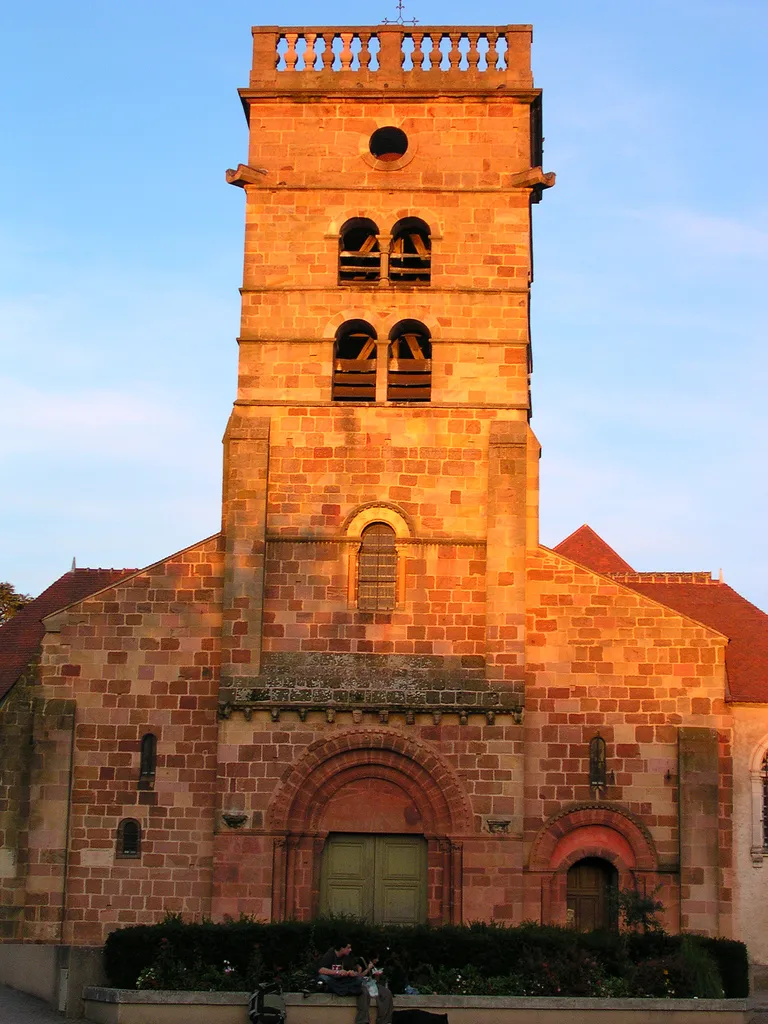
120	259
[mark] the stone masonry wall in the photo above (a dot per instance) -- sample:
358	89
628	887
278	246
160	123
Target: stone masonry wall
602	658
441	612
750	862
482	373
16	751
140	657
261	758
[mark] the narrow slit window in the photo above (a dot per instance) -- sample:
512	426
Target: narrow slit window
409	377
410	256
764	773
377	569
354	363
129	838
597	764
148	761
359	253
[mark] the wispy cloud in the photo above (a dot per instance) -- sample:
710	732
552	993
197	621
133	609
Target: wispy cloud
707	235
113	422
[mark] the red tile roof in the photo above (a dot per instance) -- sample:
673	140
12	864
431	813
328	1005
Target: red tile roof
698	596
20	637
585	547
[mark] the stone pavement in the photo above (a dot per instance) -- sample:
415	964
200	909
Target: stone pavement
19	1008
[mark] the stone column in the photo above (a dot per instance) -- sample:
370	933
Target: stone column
506	540
246	460
50	786
698	830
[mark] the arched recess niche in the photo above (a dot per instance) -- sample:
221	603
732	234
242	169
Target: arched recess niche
398	774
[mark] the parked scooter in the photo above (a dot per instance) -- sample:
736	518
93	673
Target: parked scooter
266	1004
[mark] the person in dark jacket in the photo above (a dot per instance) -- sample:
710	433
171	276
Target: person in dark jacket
340	974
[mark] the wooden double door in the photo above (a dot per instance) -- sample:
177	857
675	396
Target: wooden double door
380	879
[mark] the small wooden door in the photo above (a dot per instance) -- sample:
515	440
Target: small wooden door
592	885
381	879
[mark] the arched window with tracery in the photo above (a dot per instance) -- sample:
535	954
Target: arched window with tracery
410	253
359	254
129	838
354	363
409	377
148	761
377	569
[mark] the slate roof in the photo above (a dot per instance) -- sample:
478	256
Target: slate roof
20	637
698	596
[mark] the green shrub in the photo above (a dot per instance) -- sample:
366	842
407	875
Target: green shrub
733	964
639	911
526	960
658	977
702	968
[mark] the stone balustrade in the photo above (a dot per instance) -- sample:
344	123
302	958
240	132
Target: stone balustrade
295	57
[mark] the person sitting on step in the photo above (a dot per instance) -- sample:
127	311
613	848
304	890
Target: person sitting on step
341	975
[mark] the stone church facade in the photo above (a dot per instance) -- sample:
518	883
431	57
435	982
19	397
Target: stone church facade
374	691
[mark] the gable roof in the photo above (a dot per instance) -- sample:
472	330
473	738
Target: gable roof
21	636
587	548
698	596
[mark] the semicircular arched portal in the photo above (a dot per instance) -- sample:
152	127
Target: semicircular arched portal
368	788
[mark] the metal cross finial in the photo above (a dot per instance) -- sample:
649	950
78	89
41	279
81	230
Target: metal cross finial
400	20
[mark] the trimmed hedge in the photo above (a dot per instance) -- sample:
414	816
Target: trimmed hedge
733	963
549	954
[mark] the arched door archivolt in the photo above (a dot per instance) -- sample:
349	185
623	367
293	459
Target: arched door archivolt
372	781
363	753
588	832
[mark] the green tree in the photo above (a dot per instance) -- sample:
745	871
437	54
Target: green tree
640	910
11	601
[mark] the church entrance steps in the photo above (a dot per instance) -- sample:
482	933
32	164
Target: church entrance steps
126	1006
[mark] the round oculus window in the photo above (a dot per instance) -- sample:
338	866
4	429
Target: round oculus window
388	143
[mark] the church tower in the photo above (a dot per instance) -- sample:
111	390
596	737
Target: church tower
380	475
374	692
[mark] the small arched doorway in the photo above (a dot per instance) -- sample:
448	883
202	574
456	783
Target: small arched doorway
592	888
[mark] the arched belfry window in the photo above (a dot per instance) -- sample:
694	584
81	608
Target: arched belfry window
354	363
410	254
148	761
764	773
377	569
128	838
409	377
359	255
597	763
